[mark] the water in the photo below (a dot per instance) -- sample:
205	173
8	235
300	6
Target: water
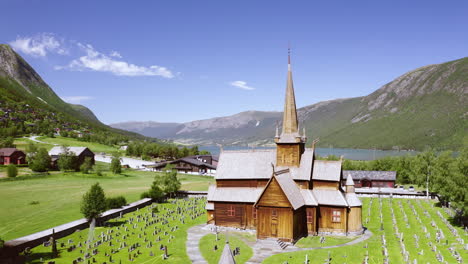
353	154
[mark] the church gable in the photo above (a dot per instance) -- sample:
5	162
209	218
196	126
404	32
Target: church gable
273	195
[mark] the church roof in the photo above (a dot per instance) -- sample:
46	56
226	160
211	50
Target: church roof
353	200
227	257
233	194
327	170
349	181
256	164
309	198
329	197
290	189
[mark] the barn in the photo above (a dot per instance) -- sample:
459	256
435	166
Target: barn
363	179
80	152
12	156
283	193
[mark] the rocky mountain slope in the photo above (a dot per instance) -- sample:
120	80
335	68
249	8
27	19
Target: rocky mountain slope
426	107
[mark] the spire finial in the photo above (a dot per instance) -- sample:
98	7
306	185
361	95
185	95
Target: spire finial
277	130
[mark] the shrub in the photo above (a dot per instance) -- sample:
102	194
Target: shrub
12	171
115	202
39	161
115	166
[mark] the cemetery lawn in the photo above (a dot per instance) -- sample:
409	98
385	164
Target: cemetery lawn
418	243
141	226
35	203
208	242
314	241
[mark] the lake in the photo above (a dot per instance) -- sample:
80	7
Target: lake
353	154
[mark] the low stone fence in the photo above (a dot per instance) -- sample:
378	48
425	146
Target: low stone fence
14	247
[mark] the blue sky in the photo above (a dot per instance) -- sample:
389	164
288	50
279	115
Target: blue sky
177	61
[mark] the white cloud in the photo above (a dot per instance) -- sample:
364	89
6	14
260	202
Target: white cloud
96	61
115	54
76	99
39	45
241	85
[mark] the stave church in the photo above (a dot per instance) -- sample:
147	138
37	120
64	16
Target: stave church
284	193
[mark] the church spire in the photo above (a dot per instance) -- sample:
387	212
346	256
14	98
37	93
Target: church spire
290	124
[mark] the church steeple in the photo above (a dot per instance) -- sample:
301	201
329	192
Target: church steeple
290	125
290	144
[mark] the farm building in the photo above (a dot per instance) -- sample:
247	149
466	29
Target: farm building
80	152
284	193
191	164
371	178
12	156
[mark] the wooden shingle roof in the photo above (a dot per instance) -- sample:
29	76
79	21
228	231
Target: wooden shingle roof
327	170
291	190
353	200
256	164
233	194
330	197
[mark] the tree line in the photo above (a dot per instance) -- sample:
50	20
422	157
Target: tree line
147	151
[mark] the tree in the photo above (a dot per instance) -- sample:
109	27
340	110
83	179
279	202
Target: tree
86	166
7	142
40	161
116	166
67	160
155	192
115	202
94	202
12	171
170	182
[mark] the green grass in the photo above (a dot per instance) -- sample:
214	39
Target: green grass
59	196
314	241
175	240
356	253
95	147
208	242
22	143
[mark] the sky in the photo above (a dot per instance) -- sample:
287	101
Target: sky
179	61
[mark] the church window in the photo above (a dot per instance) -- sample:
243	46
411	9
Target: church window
231	211
336	216
274	213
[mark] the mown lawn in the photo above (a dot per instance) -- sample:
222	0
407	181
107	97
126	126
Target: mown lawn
146	231
314	241
421	216
38	203
208	242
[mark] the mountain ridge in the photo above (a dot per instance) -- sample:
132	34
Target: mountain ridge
425	107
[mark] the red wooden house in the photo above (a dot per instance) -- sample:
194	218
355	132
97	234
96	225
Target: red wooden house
12	156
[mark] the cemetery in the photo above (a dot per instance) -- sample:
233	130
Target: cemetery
153	234
399	231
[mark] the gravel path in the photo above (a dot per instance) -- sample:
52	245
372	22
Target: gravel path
262	249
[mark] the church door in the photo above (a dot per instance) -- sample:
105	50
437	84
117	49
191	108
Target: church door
274	223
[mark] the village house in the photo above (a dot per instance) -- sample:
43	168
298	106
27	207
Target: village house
80	152
283	193
363	179
12	156
201	164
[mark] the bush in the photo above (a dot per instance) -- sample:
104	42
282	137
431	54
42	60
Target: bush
115	202
12	171
39	161
115	166
98	171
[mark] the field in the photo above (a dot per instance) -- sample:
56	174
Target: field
95	147
405	231
136	237
41	202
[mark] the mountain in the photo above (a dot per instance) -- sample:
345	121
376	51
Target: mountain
29	105
426	107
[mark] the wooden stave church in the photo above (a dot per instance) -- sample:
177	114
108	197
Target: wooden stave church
284	193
